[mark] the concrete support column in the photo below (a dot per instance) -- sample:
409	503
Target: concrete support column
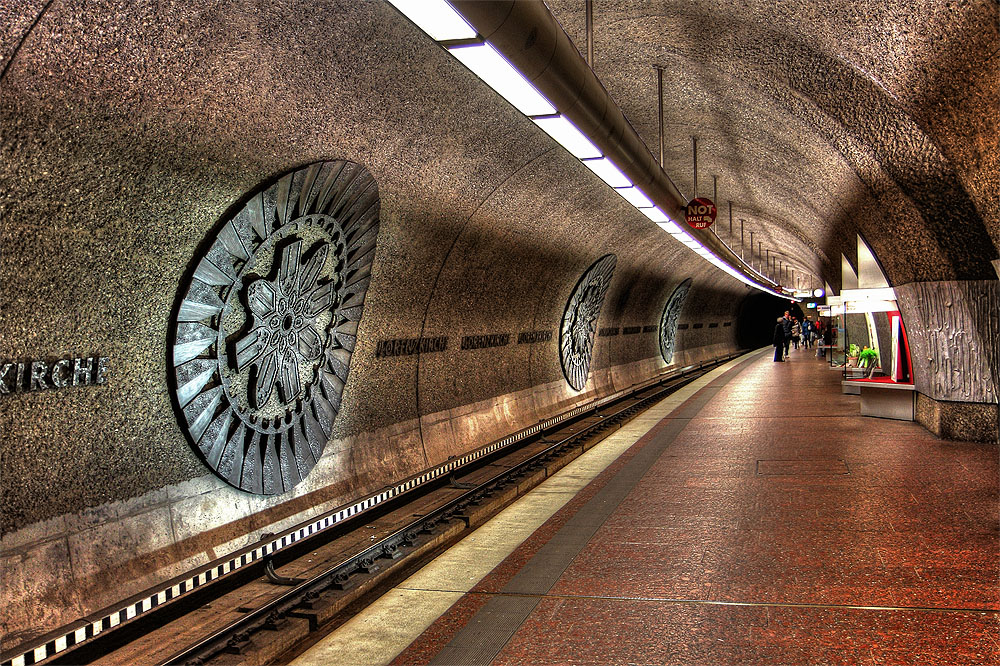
953	329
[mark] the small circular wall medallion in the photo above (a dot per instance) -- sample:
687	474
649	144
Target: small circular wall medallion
579	324
668	320
266	325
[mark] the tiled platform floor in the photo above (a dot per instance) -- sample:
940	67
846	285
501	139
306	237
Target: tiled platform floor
778	527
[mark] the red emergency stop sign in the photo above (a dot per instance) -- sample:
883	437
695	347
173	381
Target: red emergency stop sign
700	213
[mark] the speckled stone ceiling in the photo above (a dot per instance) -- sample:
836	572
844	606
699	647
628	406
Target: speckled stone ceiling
821	120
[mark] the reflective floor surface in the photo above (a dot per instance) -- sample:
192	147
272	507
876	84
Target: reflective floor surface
756	519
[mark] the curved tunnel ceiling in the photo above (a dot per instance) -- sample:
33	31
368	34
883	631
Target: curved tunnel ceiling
821	121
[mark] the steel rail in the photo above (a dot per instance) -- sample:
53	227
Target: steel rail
270	614
300	593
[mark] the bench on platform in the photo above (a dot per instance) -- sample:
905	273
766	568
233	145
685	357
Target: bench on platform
884	398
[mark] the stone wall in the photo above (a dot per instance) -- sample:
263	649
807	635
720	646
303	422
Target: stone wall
966	421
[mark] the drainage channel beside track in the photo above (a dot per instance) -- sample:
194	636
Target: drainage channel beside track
273	604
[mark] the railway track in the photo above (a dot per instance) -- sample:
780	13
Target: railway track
273	604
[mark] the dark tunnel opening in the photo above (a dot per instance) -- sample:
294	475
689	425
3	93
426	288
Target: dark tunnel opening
758	314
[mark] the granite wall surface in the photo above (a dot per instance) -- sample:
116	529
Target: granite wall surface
964	421
954	334
953	328
127	130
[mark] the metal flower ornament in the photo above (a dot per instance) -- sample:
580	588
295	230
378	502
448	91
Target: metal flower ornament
669	319
287	331
267	324
579	324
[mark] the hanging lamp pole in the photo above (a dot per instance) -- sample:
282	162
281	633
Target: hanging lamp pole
590	33
694	149
659	112
715	200
741	239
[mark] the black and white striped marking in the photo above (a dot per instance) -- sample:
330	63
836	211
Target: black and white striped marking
80	632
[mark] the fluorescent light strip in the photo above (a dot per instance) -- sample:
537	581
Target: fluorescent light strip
437	18
658	216
442	23
635	196
568	136
668	226
608	172
677	232
488	64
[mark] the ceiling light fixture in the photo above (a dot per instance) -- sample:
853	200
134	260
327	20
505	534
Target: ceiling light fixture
568	136
658	216
437	18
488	64
608	172
635	196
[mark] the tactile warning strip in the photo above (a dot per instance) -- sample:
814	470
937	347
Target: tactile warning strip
87	628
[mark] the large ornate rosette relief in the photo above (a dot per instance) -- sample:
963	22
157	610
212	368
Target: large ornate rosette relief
668	320
579	324
266	326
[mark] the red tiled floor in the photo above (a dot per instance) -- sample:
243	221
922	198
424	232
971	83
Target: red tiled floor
605	631
750	504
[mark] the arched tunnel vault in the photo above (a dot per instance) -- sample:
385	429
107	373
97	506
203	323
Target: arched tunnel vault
128	130
834	118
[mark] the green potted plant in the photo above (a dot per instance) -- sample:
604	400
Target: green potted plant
852	355
868	359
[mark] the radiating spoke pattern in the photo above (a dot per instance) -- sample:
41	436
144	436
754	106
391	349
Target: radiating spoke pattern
579	324
669	318
264	332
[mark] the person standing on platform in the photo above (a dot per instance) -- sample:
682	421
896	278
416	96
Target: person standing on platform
796	333
779	340
787	324
807	333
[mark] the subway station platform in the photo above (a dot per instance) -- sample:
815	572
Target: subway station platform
754	517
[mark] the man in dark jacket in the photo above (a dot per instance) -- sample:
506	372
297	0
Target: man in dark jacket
787	323
779	339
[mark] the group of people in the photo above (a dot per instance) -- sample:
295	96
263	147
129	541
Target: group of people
790	331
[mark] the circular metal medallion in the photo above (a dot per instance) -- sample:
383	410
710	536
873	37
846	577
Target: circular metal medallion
579	324
266	325
668	320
